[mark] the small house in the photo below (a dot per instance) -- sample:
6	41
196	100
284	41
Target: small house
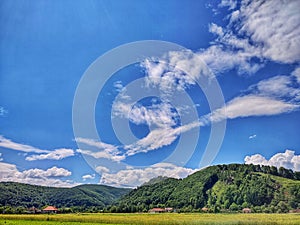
246	210
156	210
168	209
50	209
205	209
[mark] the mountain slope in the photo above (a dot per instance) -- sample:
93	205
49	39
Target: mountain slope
26	195
222	187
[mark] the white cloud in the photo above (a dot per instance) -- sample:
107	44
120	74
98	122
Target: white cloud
231	4
119	86
136	177
252	105
88	177
220	59
175	71
114	156
57	154
270	87
252	136
159	138
256	31
157	114
102	169
104	150
3	111
49	177
97	144
288	159
275	26
296	73
51	172
160	115
7	143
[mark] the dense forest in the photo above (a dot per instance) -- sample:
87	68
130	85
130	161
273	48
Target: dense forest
17	197
220	188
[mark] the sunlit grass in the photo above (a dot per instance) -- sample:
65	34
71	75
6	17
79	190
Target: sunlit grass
148	219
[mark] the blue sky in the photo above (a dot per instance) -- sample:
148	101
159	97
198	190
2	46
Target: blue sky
249	51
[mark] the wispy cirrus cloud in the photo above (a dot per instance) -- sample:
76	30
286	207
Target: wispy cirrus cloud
57	154
7	143
261	99
251	105
43	154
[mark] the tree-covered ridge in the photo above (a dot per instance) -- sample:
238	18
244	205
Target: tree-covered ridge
217	188
80	197
223	187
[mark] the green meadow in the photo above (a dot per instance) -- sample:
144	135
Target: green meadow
148	219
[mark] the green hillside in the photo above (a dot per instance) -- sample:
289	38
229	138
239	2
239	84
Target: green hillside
79	197
221	188
217	188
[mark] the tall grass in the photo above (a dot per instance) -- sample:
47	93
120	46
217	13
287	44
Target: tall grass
154	219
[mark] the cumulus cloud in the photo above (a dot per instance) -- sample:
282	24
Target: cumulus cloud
136	177
102	169
57	154
288	159
88	177
51	172
49	177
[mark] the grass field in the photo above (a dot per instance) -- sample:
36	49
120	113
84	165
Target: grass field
148	219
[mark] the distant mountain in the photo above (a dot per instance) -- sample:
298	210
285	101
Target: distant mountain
223	187
83	196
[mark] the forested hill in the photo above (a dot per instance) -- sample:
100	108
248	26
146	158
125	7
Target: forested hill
220	188
217	188
80	197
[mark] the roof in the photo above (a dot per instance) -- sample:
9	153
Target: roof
157	210
246	209
50	208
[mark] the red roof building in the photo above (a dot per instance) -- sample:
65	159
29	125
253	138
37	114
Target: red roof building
156	210
50	209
